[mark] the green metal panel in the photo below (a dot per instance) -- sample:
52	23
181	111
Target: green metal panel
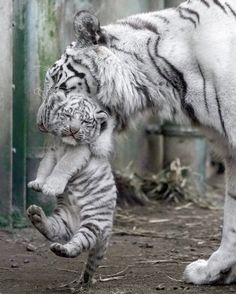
42	51
19	107
5	111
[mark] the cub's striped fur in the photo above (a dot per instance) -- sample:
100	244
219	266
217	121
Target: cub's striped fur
181	63
78	172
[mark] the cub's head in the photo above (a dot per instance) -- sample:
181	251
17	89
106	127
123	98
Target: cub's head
74	118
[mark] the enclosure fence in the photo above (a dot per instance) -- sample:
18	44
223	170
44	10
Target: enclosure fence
33	35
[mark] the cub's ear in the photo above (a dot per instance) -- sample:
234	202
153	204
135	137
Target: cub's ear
87	29
101	116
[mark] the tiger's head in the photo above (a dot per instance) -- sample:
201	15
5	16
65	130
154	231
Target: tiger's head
74	118
90	67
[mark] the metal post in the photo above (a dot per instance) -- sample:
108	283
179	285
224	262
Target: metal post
19	107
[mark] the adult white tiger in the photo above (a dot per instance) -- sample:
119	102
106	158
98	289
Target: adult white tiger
180	62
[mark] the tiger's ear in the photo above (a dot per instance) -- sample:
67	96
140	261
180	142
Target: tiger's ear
87	29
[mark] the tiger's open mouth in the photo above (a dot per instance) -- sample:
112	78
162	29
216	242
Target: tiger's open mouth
42	128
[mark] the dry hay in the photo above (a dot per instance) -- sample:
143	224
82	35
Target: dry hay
174	184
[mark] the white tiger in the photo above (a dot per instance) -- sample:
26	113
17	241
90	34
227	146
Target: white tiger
78	172
182	64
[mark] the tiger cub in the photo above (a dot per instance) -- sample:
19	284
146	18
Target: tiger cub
77	171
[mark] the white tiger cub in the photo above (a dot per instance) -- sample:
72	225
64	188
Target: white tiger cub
180	63
78	172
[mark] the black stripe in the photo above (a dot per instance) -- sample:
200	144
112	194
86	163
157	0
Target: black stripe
132	54
140	25
191	112
175	78
144	90
86	277
94	63
90	267
157	44
67	228
204	88
217	2
80	62
87	86
99	178
113	38
231	9
102	190
191	11
81	75
92	201
161	17
97	209
86	236
187	17
155	65
220	115
92	228
95	217
205	3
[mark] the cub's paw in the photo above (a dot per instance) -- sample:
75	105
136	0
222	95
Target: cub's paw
38	218
60	250
36	214
67	250
35	185
54	187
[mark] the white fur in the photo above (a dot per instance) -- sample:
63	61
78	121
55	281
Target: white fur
205	48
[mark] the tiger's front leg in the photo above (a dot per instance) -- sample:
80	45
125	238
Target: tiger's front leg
221	266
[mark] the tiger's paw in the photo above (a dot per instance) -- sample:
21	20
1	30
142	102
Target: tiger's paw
54	186
36	185
196	272
38	218
201	272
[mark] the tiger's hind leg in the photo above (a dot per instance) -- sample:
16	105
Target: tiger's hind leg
60	226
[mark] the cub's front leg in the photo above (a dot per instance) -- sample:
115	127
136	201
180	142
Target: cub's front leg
45	168
74	159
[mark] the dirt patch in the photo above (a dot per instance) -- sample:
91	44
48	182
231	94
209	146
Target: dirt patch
150	247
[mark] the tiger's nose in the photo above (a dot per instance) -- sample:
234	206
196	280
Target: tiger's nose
42	128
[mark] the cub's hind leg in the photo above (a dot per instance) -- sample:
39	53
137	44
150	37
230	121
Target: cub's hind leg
61	225
94	259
